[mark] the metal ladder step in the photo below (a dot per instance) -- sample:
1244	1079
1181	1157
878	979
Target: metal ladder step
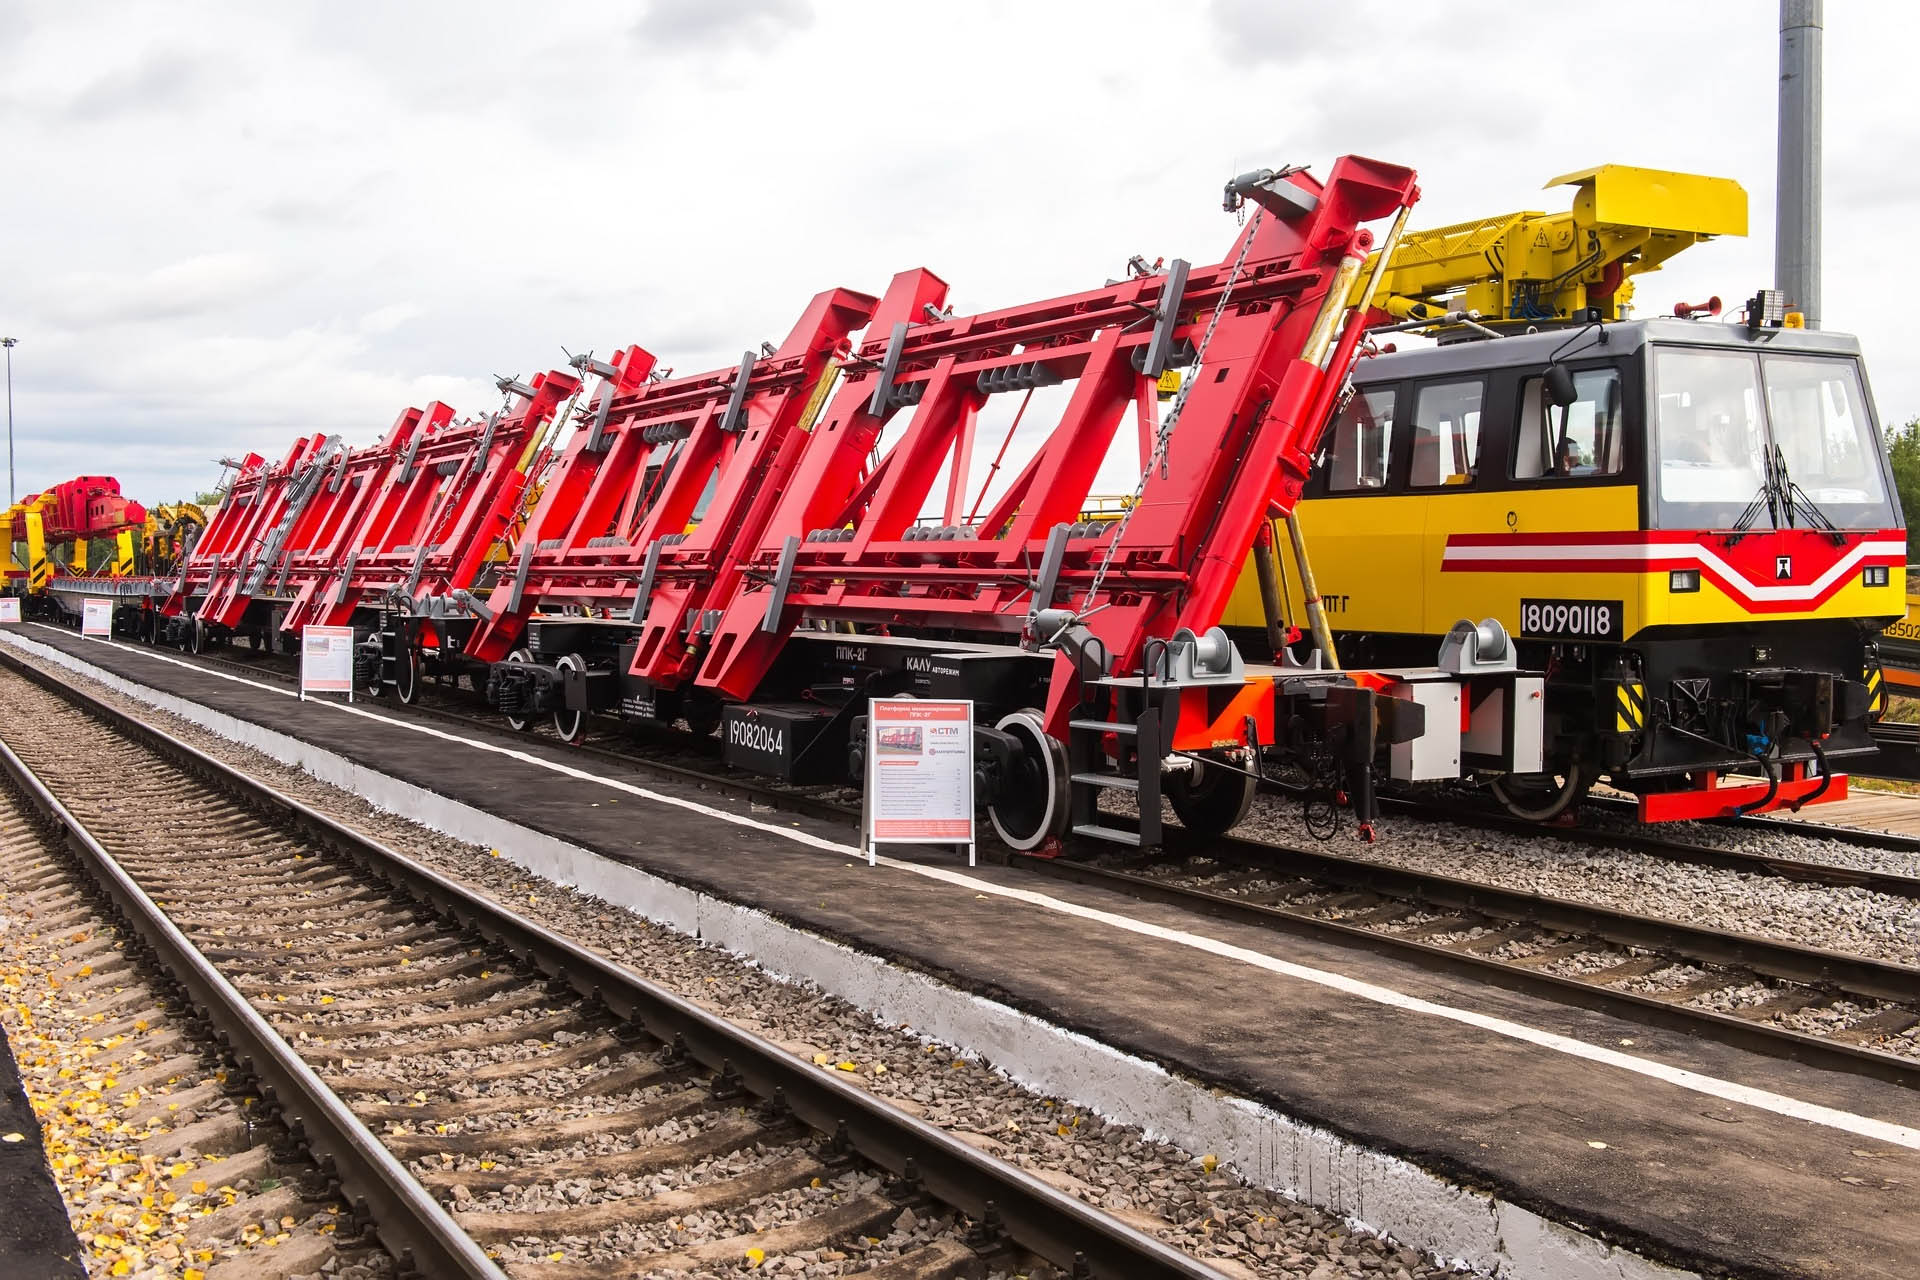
1117	782
1094	831
1105	726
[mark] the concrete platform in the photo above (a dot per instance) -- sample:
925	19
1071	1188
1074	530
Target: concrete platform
35	1236
1514	1133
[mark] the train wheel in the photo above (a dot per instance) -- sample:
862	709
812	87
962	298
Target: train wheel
1541	797
519	724
570	724
1211	799
196	636
1031	806
406	675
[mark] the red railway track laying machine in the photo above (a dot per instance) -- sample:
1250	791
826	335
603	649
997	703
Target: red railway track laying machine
761	549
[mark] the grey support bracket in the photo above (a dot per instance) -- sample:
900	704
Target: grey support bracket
520	575
1166	318
782	579
883	387
735	418
645	591
406	459
346	577
1051	561
602	406
419	563
486	441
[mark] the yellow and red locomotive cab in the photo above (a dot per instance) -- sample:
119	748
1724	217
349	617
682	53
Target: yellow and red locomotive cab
1700	549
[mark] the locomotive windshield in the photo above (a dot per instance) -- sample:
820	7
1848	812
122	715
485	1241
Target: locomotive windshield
1748	439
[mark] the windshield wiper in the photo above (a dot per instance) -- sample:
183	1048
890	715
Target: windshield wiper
1767	499
1794	498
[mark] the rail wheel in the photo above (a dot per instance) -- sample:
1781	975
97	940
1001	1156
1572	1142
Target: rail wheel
406	674
197	637
1211	798
519	724
1541	797
570	724
1031	806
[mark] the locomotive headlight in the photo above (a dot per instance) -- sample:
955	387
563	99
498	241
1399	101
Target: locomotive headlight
1680	580
1876	575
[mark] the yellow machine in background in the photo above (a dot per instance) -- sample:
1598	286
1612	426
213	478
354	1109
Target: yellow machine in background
168	533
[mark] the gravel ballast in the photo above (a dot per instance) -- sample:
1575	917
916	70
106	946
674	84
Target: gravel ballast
1183	1197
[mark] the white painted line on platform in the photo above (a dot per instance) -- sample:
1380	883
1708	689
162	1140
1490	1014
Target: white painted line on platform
1712	1086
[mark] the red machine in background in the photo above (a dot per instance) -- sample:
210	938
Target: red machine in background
53	528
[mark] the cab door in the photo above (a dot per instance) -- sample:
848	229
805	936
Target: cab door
1528	533
1363	528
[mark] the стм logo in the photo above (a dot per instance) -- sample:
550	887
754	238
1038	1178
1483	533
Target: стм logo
1783	567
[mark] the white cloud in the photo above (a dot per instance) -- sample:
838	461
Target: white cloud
272	220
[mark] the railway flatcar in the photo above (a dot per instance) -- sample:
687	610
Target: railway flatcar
1689	526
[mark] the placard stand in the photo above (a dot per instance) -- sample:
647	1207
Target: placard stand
326	661
919	775
96	618
9	608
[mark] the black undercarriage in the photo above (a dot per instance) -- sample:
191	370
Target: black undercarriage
1673	702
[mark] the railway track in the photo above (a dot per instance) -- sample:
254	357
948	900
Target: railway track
1651	843
648	748
148	1129
1757	993
476	1085
1830	1008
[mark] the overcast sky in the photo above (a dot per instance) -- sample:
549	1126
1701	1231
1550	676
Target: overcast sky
224	225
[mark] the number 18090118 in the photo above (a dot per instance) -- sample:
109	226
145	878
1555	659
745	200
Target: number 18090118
1570	619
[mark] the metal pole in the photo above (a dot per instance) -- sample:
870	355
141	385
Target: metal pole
1796	235
8	344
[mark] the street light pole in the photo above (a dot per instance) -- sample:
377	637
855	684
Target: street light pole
8	344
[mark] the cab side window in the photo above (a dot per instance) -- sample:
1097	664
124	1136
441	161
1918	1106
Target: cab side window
1362	440
1580	441
1446	434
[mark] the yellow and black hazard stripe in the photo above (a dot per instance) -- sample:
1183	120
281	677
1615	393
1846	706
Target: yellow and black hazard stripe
1629	707
1876	692
40	574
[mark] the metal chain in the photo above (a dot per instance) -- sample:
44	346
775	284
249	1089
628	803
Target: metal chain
1164	436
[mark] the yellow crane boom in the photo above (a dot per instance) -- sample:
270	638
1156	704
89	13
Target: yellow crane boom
1526	268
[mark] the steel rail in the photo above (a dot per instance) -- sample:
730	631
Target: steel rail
1647	842
1031	1213
1769	1041
413	1226
729	785
1791	961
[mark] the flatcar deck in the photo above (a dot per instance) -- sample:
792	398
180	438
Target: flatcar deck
1686	1150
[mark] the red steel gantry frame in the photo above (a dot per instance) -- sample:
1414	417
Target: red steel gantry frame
664	479
1274	335
330	529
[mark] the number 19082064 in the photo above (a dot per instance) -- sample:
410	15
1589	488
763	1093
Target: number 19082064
1570	619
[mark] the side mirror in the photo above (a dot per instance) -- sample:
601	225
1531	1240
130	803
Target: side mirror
1558	380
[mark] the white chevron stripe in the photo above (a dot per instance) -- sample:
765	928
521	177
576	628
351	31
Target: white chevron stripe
1547	554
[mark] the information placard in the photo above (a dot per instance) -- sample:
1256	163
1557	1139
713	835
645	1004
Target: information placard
9	608
919	774
326	661
96	617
